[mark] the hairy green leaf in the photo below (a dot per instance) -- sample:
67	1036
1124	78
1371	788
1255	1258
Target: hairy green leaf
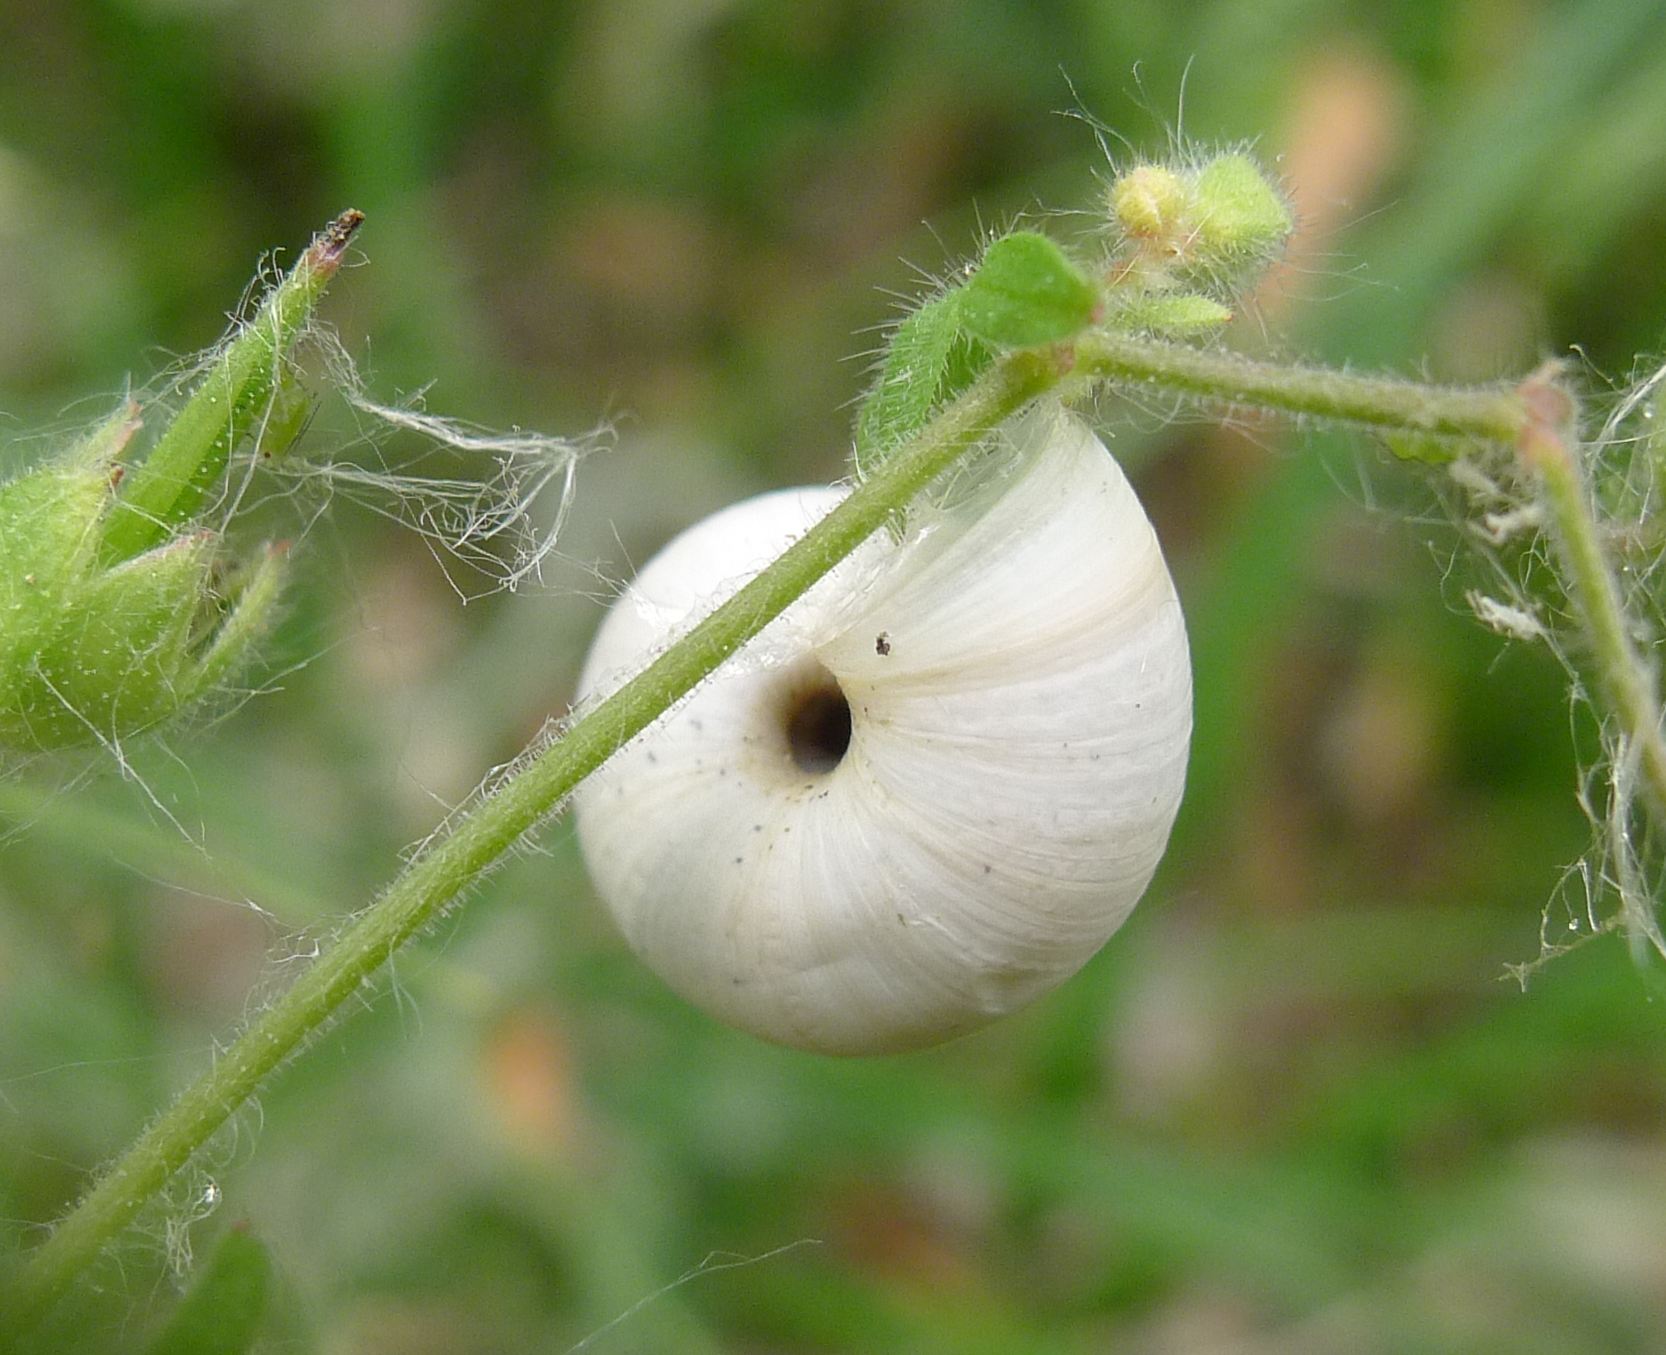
931	360
1027	292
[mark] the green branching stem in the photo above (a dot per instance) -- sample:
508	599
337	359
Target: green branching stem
1549	446
1484	413
459	857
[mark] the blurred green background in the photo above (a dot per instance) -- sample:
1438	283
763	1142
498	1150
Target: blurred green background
1295	1106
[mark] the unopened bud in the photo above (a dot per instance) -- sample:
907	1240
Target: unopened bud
1149	201
94	653
1238	213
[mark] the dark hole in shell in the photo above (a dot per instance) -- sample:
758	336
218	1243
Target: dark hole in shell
818	727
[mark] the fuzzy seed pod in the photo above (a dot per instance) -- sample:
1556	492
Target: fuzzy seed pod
928	792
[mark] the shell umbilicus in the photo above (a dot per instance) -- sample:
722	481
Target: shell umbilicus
928	792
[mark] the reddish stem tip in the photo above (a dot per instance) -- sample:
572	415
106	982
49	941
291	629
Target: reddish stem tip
1546	437
331	243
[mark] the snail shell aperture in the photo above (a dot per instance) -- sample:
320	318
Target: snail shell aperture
928	792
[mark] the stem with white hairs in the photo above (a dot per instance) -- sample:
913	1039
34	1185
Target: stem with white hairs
459	858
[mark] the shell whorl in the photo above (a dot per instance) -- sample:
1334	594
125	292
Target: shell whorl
1019	695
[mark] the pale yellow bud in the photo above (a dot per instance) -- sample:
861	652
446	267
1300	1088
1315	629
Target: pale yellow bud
1148	201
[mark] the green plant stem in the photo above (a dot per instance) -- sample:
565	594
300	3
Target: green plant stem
462	856
1491	414
1626	681
168	488
458	859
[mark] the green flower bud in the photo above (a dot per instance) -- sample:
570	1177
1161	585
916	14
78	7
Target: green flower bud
118	661
117	612
90	654
1204	230
1149	201
1237	212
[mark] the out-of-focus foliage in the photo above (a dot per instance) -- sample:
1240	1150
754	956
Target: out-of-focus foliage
1293	1107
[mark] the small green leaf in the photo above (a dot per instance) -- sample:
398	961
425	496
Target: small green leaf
1027	292
1175	315
930	360
1425	448
222	1313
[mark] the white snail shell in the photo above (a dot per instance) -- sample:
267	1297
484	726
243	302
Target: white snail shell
1019	709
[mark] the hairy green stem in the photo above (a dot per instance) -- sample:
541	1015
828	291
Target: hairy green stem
1491	414
460	857
168	489
1626	681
